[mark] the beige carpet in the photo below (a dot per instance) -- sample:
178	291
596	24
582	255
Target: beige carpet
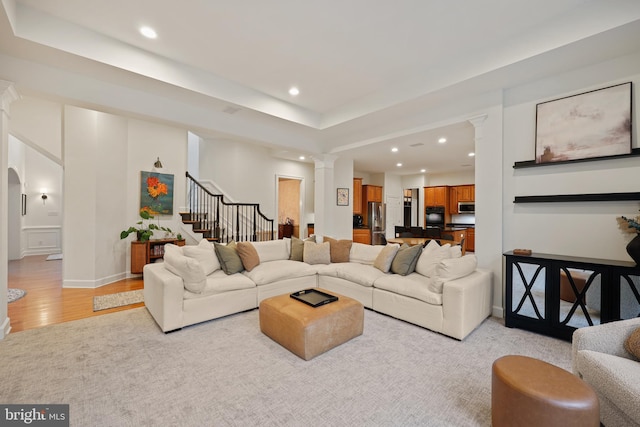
121	370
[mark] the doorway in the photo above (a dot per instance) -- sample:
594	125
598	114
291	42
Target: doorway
290	206
14	220
411	206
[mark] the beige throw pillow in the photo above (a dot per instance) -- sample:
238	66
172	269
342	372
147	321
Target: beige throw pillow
297	248
248	255
632	343
339	249
385	257
431	256
317	253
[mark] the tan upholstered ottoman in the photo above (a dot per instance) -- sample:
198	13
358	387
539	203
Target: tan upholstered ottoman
529	392
309	331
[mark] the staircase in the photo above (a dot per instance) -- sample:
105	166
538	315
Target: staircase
221	221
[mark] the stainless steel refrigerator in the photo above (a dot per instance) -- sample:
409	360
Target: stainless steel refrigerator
376	213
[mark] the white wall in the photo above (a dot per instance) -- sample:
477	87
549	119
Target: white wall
587	229
247	173
38	122
452	178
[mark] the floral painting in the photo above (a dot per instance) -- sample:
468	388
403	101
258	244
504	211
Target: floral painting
589	125
156	193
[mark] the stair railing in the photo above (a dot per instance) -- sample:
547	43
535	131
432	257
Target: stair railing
224	221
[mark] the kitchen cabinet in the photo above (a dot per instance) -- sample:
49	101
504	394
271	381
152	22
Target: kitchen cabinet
362	235
143	253
436	196
460	193
373	193
370	193
470	241
357	196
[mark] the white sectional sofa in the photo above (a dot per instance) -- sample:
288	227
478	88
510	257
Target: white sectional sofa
441	290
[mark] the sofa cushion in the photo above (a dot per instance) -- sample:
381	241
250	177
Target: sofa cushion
615	377
632	343
405	260
188	269
219	282
271	250
431	256
205	254
385	257
273	271
339	249
364	254
297	248
413	285
453	268
228	256
316	253
248	255
362	274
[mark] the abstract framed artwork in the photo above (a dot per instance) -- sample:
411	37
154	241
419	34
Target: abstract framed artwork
589	125
343	197
156	193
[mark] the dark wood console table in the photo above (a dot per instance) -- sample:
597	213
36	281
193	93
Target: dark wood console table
598	290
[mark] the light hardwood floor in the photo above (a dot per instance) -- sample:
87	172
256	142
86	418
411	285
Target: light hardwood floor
47	302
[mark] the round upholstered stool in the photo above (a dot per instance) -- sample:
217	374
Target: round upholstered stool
529	392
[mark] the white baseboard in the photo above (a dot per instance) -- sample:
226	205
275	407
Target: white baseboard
93	283
497	312
6	328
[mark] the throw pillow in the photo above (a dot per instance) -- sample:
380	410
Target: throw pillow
405	260
297	248
317	253
339	249
228	256
632	343
385	257
248	255
187	268
205	254
432	254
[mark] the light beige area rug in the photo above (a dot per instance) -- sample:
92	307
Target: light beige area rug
104	302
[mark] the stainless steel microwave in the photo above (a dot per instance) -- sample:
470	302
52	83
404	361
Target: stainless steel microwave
466	207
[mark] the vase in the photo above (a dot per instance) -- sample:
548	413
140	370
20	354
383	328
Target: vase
633	249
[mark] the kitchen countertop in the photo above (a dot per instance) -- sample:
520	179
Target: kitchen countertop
459	225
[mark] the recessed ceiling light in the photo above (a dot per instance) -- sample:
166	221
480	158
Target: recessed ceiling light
301	157
394	150
148	32
398	164
294	91
423	170
442	140
472	154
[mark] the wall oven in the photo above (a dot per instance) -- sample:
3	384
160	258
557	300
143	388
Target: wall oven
434	216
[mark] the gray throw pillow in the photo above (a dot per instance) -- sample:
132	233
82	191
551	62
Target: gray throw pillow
406	259
229	259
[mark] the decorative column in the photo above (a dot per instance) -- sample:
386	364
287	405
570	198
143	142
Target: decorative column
324	188
8	94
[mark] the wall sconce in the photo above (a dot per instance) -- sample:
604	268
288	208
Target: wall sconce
44	195
158	164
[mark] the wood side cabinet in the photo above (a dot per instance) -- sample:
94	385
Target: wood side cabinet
143	253
357	196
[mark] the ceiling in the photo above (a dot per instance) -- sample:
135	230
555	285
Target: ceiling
365	70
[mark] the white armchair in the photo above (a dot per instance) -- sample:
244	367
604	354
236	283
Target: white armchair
600	359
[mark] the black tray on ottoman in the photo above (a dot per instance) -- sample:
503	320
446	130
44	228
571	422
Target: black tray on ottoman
313	297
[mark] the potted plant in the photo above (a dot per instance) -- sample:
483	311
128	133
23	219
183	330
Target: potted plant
632	225
144	231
